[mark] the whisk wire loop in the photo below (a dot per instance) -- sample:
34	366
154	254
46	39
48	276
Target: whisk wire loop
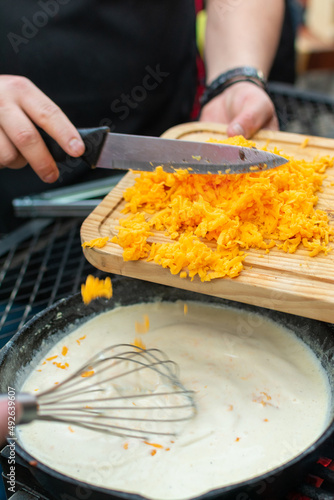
138	394
129	355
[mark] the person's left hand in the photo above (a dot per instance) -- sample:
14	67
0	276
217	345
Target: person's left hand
244	107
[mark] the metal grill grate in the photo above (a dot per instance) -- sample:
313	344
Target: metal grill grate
34	274
303	112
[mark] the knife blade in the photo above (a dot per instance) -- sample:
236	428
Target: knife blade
133	152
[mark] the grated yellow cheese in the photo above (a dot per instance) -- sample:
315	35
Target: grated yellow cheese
94	287
88	373
143	327
139	343
96	243
305	142
211	220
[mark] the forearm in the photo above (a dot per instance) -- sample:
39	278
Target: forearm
241	33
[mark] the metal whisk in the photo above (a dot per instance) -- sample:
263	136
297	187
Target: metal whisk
123	390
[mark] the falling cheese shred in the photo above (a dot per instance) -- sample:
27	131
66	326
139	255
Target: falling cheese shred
144	326
211	220
94	287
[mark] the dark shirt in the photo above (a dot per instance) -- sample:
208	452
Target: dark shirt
130	65
129	62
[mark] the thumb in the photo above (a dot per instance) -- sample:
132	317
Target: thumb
254	115
247	123
235	128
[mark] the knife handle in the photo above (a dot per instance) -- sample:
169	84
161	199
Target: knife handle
93	139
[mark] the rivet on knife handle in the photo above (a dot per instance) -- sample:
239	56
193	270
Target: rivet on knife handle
93	139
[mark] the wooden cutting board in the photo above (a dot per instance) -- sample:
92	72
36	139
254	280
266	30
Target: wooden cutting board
293	283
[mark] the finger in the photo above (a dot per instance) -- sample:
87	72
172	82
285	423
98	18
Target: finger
47	115
252	117
9	155
24	136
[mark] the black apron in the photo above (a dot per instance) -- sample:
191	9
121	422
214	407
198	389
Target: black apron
126	64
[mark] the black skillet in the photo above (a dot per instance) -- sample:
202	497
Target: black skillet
36	336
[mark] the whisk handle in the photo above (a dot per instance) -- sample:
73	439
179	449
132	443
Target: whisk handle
29	407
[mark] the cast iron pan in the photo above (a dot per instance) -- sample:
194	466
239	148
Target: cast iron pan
44	328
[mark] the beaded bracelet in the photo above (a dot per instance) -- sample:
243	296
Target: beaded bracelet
225	80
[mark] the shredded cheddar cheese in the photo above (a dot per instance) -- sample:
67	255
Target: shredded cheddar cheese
211	220
96	243
94	287
88	373
63	366
143	327
139	343
155	445
305	142
51	358
78	341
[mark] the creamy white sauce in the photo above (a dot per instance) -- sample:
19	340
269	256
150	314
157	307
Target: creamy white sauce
262	397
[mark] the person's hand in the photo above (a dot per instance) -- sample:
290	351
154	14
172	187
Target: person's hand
244	107
22	105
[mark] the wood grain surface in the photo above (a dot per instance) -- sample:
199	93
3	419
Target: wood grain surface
293	283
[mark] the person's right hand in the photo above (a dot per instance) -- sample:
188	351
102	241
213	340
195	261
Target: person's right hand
22	106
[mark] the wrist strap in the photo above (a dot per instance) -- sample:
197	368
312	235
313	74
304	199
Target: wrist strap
236	75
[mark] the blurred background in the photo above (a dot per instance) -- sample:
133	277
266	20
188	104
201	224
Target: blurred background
305	57
314	44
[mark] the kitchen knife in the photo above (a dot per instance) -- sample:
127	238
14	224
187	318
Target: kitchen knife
125	152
